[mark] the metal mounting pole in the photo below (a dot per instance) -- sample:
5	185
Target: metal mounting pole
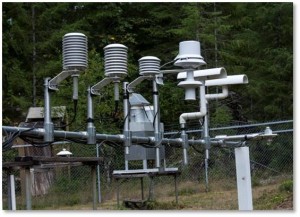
75	86
184	138
12	192
91	130
28	188
126	130
157	133
207	147
116	90
48	125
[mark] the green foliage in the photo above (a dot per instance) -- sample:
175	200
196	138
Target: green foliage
286	186
186	191
66	185
155	205
221	116
251	38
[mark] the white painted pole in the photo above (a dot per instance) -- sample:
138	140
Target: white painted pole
12	192
243	177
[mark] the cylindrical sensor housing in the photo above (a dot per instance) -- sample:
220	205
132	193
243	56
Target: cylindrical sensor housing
189	55
115	60
75	51
149	65
190	85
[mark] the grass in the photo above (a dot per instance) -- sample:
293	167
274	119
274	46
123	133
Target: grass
276	196
268	197
192	196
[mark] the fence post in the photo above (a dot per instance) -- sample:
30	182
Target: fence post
12	191
28	188
243	177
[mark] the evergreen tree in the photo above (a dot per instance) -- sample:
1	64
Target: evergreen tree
251	38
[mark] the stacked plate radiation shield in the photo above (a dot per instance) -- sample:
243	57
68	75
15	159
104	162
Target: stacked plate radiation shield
149	65
75	51
115	60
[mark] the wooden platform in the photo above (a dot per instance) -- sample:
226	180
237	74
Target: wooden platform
130	174
28	162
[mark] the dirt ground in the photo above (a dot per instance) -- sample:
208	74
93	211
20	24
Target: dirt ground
287	204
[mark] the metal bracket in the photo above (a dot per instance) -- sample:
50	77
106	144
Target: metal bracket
137	81
95	89
53	83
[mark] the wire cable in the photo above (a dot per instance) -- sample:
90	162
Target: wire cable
172	61
74	116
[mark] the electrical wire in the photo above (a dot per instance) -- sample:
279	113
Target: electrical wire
116	109
197	150
172	61
74	116
8	143
36	144
154	119
146	112
110	143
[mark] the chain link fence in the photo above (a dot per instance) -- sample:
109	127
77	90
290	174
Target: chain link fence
70	187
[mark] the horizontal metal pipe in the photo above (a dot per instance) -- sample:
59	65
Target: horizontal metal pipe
64	135
238	126
120	138
253	136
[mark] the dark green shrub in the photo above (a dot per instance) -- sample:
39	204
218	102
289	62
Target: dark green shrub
286	186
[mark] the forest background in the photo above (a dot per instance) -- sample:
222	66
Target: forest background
255	39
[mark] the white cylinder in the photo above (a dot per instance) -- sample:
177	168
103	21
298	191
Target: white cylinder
115	60
189	55
75	51
190	86
190	94
209	74
232	79
149	65
12	192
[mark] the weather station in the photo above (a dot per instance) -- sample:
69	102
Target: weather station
142	136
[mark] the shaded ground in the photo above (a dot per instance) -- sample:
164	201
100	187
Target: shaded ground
287	204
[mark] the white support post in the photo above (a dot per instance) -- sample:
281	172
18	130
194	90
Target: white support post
12	192
243	177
